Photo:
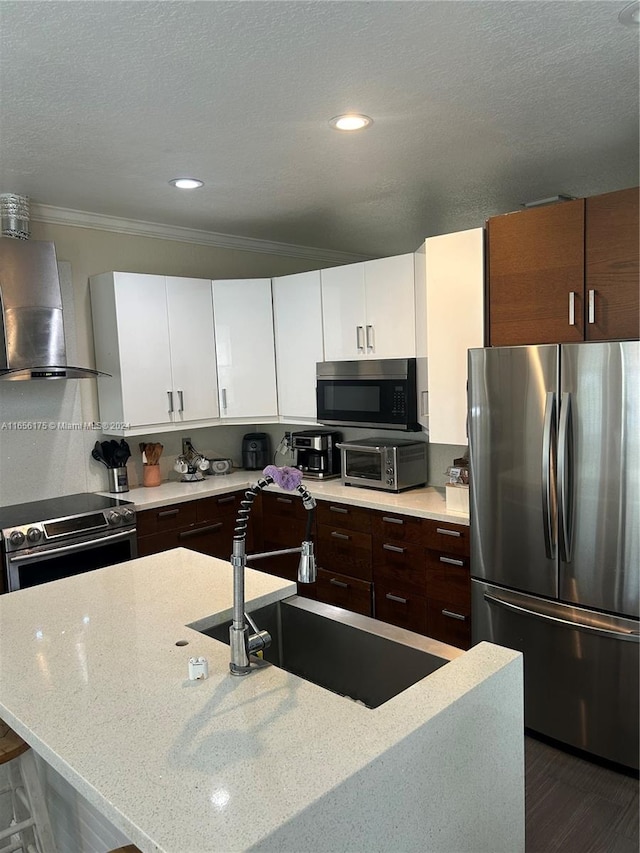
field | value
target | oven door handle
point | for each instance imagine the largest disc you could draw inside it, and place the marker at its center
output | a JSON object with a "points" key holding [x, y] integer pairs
{"points": [[69, 549], [344, 446]]}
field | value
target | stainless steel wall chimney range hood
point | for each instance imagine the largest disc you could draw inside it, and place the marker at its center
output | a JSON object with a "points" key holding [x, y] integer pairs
{"points": [[32, 343]]}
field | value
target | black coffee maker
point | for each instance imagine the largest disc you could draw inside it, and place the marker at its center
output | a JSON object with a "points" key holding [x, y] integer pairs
{"points": [[256, 451], [316, 453]]}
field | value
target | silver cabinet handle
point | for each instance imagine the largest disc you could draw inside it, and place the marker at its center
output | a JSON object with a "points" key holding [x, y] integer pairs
{"points": [[227, 500], [284, 500], [591, 315], [392, 520], [572, 308], [168, 513], [180, 401], [548, 474], [453, 615], [339, 535], [396, 598], [360, 338], [370, 340], [446, 532], [338, 509], [223, 393], [170, 396], [394, 548], [197, 531], [451, 561], [339, 583]]}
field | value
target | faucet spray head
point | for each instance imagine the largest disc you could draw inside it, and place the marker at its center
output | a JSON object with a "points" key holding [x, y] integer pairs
{"points": [[307, 566]]}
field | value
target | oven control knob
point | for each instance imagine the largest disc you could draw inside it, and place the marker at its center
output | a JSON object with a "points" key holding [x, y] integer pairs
{"points": [[16, 537], [113, 517], [389, 481], [127, 514], [33, 534], [389, 470]]}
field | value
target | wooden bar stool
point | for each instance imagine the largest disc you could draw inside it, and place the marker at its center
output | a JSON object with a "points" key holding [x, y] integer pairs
{"points": [[30, 829]]}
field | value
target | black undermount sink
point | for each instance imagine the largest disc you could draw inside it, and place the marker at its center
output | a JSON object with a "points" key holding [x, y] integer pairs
{"points": [[351, 655]]}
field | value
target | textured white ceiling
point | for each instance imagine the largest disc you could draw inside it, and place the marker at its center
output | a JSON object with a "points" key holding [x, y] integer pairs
{"points": [[477, 106]]}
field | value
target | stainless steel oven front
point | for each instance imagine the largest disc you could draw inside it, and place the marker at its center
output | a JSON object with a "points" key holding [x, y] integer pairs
{"points": [[39, 550]]}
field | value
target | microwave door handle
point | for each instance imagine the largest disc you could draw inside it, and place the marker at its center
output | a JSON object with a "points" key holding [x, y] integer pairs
{"points": [[359, 447]]}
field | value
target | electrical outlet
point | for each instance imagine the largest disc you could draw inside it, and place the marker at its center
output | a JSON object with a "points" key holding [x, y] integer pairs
{"points": [[186, 442]]}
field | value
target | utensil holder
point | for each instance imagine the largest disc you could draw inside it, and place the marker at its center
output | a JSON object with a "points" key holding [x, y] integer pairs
{"points": [[151, 475], [118, 480]]}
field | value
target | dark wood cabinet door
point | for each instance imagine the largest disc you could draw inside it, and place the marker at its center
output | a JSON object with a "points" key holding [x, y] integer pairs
{"points": [[536, 275], [341, 590], [165, 518], [611, 266], [345, 551], [448, 624], [407, 610]]}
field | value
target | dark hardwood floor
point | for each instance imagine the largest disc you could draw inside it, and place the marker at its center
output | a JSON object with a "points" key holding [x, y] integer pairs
{"points": [[576, 806]]}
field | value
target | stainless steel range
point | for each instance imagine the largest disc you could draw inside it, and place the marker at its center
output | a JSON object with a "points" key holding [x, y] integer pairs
{"points": [[52, 539]]}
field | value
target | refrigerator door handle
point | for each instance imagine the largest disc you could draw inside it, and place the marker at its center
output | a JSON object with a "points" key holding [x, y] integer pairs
{"points": [[616, 633], [565, 478], [548, 474]]}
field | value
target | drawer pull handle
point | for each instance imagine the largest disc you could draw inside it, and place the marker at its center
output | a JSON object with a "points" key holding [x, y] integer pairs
{"points": [[338, 509], [284, 500], [451, 561], [339, 535], [446, 532], [453, 615], [168, 513], [394, 548], [396, 598], [199, 530], [339, 583], [229, 499], [392, 520]]}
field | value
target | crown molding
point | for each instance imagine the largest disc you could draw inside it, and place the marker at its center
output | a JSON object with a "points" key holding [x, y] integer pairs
{"points": [[83, 219]]}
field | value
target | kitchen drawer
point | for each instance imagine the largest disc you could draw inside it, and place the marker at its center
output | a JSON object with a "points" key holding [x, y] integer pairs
{"points": [[164, 518], [283, 507], [216, 506], [344, 515], [448, 623], [344, 551], [340, 590], [446, 537], [400, 564], [390, 525], [214, 538], [395, 606], [448, 579]]}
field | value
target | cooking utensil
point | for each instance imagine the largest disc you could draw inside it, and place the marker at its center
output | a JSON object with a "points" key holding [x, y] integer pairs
{"points": [[97, 455]]}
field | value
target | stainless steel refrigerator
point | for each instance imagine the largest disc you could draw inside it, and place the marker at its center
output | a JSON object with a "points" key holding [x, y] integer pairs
{"points": [[554, 439]]}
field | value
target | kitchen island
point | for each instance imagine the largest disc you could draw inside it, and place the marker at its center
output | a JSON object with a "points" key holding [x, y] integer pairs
{"points": [[92, 677]]}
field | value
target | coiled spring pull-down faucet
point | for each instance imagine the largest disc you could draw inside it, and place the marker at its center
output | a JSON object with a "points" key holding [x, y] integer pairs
{"points": [[242, 642]]}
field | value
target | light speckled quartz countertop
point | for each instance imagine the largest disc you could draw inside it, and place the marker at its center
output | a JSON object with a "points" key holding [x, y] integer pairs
{"points": [[427, 502], [92, 678]]}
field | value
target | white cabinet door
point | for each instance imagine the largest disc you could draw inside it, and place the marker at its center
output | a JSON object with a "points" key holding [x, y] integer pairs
{"points": [[343, 312], [143, 343], [193, 351], [390, 309], [297, 321], [455, 323], [244, 347]]}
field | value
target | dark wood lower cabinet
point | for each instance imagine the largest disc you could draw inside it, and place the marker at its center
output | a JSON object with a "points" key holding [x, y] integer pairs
{"points": [[407, 610], [341, 590]]}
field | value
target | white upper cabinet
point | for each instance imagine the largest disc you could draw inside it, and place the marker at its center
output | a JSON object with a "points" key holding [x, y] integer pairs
{"points": [[297, 320], [245, 350], [155, 336], [454, 277], [368, 309]]}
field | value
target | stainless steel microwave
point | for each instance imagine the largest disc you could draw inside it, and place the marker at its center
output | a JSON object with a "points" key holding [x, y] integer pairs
{"points": [[391, 466], [379, 393]]}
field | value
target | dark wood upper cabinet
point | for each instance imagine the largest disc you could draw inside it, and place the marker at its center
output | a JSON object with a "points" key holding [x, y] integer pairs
{"points": [[564, 273], [612, 270], [536, 275]]}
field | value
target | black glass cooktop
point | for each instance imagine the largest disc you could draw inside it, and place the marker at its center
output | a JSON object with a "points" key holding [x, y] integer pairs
{"points": [[52, 508]]}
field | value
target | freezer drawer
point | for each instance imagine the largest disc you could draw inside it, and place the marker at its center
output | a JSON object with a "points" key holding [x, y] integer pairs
{"points": [[580, 668]]}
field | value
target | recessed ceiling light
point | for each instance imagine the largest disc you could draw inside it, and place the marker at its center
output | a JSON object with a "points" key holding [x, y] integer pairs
{"points": [[350, 121], [186, 183], [630, 15]]}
